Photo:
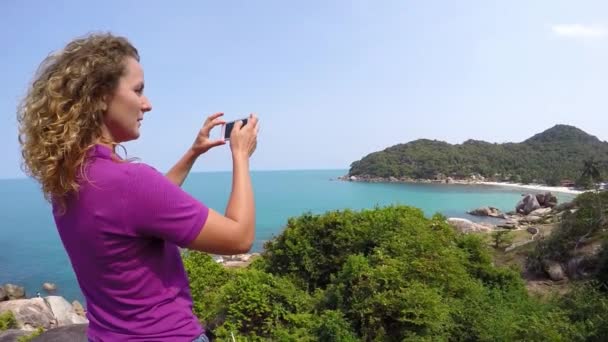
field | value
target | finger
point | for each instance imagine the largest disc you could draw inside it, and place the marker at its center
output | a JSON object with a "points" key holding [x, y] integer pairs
{"points": [[213, 117], [237, 127], [217, 121], [253, 119], [218, 142], [209, 125]]}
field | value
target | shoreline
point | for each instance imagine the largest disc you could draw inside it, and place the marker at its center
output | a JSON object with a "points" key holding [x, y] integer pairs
{"points": [[534, 187], [537, 187]]}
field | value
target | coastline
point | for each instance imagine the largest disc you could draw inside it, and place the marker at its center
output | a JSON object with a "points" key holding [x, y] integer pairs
{"points": [[536, 187], [450, 181]]}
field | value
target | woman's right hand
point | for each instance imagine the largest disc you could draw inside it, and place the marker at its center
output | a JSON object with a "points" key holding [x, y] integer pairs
{"points": [[243, 140]]}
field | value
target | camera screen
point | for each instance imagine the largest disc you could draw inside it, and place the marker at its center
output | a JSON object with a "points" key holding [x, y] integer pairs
{"points": [[229, 127]]}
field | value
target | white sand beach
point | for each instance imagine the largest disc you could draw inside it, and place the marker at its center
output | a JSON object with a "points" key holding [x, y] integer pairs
{"points": [[535, 187]]}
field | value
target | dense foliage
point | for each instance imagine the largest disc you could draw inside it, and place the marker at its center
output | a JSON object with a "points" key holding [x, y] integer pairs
{"points": [[584, 225], [388, 274], [558, 153], [7, 321]]}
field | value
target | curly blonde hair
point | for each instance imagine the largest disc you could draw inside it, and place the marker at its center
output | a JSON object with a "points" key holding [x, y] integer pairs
{"points": [[60, 118]]}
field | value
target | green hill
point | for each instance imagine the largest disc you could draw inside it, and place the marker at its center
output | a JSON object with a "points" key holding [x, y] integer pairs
{"points": [[548, 157]]}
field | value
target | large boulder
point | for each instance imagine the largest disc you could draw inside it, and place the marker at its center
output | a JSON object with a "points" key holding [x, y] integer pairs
{"points": [[541, 212], [467, 226], [486, 211], [12, 335], [63, 311], [527, 205], [49, 287], [532, 219], [68, 333], [30, 313], [546, 200], [3, 295], [78, 308], [14, 291], [554, 270]]}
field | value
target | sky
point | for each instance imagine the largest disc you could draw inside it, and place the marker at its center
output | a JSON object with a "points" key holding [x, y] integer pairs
{"points": [[331, 81]]}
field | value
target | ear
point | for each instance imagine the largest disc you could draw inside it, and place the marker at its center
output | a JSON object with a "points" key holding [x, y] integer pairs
{"points": [[104, 103]]}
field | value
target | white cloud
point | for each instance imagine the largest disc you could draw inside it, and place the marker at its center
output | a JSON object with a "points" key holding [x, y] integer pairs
{"points": [[580, 31]]}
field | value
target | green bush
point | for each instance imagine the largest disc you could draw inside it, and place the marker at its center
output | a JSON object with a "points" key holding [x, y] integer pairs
{"points": [[387, 274], [587, 307], [563, 243], [7, 321]]}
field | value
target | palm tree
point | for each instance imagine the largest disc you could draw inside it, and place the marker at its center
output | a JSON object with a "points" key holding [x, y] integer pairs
{"points": [[590, 170]]}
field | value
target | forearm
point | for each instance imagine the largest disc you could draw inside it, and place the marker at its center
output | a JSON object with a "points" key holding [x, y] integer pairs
{"points": [[180, 170], [241, 205]]}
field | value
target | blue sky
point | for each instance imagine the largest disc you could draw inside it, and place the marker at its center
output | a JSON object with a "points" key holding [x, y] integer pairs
{"points": [[331, 80]]}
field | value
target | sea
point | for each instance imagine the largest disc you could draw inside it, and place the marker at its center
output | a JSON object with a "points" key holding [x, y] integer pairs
{"points": [[31, 252]]}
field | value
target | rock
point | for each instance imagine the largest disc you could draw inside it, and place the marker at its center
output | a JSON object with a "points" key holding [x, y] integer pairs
{"points": [[30, 313], [393, 179], [12, 335], [3, 295], [554, 270], [449, 180], [507, 225], [14, 291], [353, 178], [540, 198], [466, 226], [532, 230], [486, 211], [573, 267], [68, 333], [550, 200], [78, 308], [532, 219], [527, 205], [63, 311], [564, 206], [541, 212], [49, 287]]}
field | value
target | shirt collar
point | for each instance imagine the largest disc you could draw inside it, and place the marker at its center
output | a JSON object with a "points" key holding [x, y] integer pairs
{"points": [[100, 151]]}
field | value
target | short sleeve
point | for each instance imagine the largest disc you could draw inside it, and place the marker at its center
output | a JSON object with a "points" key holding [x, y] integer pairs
{"points": [[158, 208]]}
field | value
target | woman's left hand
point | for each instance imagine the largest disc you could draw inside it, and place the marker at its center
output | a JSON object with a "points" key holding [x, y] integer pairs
{"points": [[203, 143]]}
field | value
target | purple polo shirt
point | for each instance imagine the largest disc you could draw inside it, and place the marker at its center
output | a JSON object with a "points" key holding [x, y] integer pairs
{"points": [[122, 233]]}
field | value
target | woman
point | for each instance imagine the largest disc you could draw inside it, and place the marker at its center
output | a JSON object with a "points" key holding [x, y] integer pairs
{"points": [[121, 222]]}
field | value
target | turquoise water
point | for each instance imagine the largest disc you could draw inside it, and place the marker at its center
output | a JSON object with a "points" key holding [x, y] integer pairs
{"points": [[31, 252]]}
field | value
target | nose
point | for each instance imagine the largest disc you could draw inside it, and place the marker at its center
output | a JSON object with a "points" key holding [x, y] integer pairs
{"points": [[146, 106]]}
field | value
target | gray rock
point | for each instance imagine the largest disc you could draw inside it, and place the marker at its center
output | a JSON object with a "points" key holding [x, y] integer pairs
{"points": [[564, 206], [49, 287], [527, 205], [30, 313], [78, 308], [466, 226], [12, 335], [486, 211], [532, 230], [14, 291], [554, 270], [68, 333], [507, 225], [541, 212], [353, 178], [63, 311], [3, 295], [532, 219]]}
